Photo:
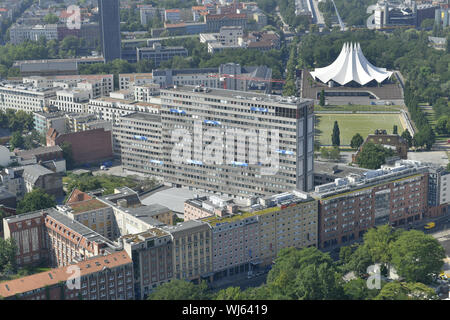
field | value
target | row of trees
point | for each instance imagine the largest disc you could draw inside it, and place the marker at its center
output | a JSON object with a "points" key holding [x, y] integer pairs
{"points": [[309, 274]]}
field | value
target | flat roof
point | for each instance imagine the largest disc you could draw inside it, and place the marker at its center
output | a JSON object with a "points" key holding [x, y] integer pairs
{"points": [[144, 116], [87, 205], [173, 198], [250, 96]]}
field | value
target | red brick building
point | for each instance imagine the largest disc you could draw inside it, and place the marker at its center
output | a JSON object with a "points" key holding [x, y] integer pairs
{"points": [[349, 206], [88, 146], [101, 278]]}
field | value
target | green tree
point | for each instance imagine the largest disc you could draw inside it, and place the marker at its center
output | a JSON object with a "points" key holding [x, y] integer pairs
{"points": [[357, 289], [442, 124], [416, 256], [51, 18], [322, 98], [406, 291], [8, 251], [378, 242], [357, 141], [16, 141], [407, 136], [180, 290], [359, 261], [230, 293], [66, 148], [306, 274], [395, 129], [372, 156], [35, 200], [335, 137]]}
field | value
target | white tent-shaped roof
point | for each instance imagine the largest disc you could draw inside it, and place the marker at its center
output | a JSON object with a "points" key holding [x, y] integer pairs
{"points": [[351, 65]]}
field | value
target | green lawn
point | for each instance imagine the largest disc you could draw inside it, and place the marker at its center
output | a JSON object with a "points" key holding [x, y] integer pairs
{"points": [[350, 124]]}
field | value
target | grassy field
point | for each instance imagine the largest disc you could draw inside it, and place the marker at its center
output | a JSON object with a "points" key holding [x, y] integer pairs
{"points": [[350, 124]]}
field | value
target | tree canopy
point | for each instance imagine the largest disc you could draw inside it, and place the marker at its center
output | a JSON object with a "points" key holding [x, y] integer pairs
{"points": [[35, 200], [180, 290], [372, 156]]}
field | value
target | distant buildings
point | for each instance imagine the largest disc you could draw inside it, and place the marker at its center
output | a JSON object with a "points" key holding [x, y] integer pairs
{"points": [[216, 21], [109, 16], [54, 67], [158, 54]]}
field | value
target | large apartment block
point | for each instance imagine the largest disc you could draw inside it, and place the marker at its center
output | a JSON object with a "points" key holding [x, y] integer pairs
{"points": [[268, 140], [252, 237], [25, 97], [349, 206], [137, 139]]}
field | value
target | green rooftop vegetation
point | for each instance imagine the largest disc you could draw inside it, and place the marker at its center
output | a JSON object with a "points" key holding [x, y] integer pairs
{"points": [[87, 206], [244, 214]]}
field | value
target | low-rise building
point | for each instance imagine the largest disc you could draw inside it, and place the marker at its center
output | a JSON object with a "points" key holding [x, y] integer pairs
{"points": [[392, 141]]}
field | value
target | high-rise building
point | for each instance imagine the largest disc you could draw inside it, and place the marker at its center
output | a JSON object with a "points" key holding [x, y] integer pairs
{"points": [[110, 29], [247, 127]]}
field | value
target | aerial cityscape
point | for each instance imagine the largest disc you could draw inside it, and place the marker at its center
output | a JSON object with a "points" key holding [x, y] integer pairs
{"points": [[224, 150]]}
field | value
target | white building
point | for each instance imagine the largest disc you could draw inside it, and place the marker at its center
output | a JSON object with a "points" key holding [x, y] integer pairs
{"points": [[351, 66], [21, 33]]}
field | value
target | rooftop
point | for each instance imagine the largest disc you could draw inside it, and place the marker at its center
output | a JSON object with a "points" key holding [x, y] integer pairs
{"points": [[85, 206], [403, 169], [55, 276], [173, 198], [239, 95], [144, 116]]}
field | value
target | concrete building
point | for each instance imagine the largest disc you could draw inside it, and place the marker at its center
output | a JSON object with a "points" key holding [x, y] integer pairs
{"points": [[137, 139], [159, 54], [25, 97], [192, 249], [252, 239], [101, 278], [186, 107], [152, 252], [53, 67], [111, 109], [216, 21], [109, 22], [145, 92], [203, 207], [349, 206], [438, 190], [46, 120], [172, 15], [128, 81], [22, 33]]}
